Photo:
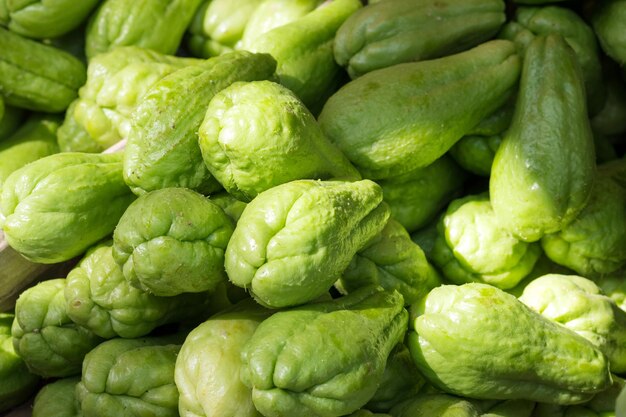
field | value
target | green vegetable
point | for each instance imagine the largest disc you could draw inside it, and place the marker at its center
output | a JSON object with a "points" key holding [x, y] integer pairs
{"points": [[435, 405], [611, 119], [325, 358], [257, 135], [11, 120], [511, 408], [231, 206], [614, 286], [57, 399], [475, 153], [294, 241], [608, 23], [172, 241]]}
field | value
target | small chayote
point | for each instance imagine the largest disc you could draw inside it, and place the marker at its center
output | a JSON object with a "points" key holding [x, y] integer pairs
{"points": [[172, 241], [614, 286], [257, 135], [57, 399], [231, 206], [475, 153], [293, 241], [476, 340], [579, 304], [435, 405], [209, 362], [325, 358], [60, 205], [608, 23], [11, 120], [50, 343], [393, 261]]}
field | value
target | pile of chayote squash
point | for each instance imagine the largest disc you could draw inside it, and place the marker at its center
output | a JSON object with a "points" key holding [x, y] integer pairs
{"points": [[309, 208]]}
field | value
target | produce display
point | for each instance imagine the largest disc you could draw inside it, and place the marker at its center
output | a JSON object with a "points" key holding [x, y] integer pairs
{"points": [[313, 208]]}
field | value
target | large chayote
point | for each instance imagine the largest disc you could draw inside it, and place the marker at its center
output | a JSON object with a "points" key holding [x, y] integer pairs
{"points": [[543, 171], [608, 22], [475, 340], [294, 240], [472, 246], [326, 358], [579, 304], [397, 119], [17, 384], [397, 31], [257, 135], [172, 241], [58, 206], [209, 362], [393, 261], [50, 343], [99, 298], [162, 149], [130, 377], [57, 399], [154, 24]]}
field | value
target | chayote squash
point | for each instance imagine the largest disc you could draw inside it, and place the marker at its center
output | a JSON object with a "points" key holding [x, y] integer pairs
{"points": [[294, 240], [435, 405], [12, 118], [58, 206], [397, 119], [325, 358], [57, 399], [475, 340], [611, 119], [172, 241], [162, 149], [614, 286], [398, 31], [257, 135], [607, 19], [231, 206], [475, 153], [543, 171]]}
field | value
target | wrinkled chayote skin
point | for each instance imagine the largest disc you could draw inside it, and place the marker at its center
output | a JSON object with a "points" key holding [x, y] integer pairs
{"points": [[130, 377], [393, 261], [154, 24], [34, 139], [435, 405], [415, 198], [579, 304], [594, 243], [294, 240], [43, 19], [116, 82], [472, 246], [172, 241], [50, 343], [257, 135], [17, 384], [398, 31], [475, 153], [543, 171], [57, 399], [209, 363], [99, 298], [477, 341], [303, 361], [387, 129], [162, 149], [608, 23], [58, 206]]}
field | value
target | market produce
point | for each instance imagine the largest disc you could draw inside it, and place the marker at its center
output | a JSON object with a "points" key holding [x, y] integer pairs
{"points": [[294, 240], [387, 130], [397, 31], [58, 206], [45, 337], [544, 169], [50, 84], [608, 22], [162, 149], [172, 241], [11, 120], [614, 286], [475, 153], [290, 375], [257, 135], [231, 206], [435, 405], [477, 341], [57, 399]]}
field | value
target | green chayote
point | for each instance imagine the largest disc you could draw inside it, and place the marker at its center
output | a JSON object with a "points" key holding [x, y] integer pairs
{"points": [[397, 119], [510, 408], [231, 206], [58, 206], [293, 241], [57, 399], [154, 24], [257, 135], [50, 343], [415, 198], [475, 153], [303, 361], [130, 377], [99, 298], [611, 119], [435, 405], [17, 384], [475, 340], [172, 241], [209, 363], [614, 286], [578, 304], [472, 246], [608, 23], [393, 261], [367, 413], [12, 118]]}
